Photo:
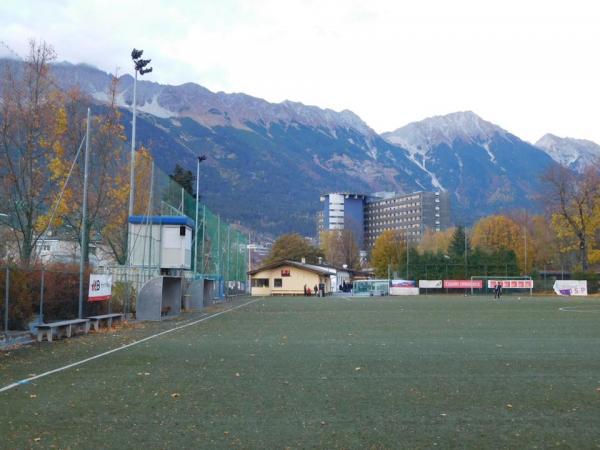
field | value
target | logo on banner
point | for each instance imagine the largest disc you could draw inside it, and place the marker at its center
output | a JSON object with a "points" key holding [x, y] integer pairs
{"points": [[570, 287], [402, 284], [100, 288], [463, 284], [430, 284]]}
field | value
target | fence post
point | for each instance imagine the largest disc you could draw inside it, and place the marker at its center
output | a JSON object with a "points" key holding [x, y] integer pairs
{"points": [[7, 288], [41, 320], [228, 276]]}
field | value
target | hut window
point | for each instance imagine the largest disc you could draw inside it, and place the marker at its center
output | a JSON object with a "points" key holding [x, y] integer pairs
{"points": [[260, 282]]}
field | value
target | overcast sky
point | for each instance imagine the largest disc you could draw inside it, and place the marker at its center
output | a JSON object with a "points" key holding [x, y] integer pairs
{"points": [[531, 67]]}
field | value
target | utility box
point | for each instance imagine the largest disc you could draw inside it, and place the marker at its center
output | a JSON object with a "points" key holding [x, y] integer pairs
{"points": [[161, 241]]}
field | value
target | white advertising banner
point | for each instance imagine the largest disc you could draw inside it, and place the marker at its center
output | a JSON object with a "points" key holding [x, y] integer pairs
{"points": [[404, 290], [571, 287], [100, 287], [430, 284]]}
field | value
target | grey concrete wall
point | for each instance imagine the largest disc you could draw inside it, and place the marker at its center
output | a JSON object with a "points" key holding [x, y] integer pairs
{"points": [[195, 295], [157, 294]]}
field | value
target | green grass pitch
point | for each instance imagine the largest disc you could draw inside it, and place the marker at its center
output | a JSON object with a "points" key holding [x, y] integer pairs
{"points": [[379, 372]]}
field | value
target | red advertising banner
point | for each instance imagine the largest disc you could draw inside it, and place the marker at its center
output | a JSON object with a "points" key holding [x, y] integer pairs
{"points": [[100, 287], [511, 284], [463, 284]]}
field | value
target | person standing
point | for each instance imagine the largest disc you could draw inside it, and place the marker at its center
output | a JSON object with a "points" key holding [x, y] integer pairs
{"points": [[316, 290], [497, 290]]}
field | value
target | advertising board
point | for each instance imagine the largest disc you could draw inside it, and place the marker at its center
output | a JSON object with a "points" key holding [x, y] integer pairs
{"points": [[100, 287]]}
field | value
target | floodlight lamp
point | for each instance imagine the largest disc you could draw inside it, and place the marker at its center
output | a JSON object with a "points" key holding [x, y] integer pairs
{"points": [[136, 54]]}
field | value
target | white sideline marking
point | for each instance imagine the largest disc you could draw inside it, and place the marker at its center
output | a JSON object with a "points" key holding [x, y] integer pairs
{"points": [[123, 347], [574, 309]]}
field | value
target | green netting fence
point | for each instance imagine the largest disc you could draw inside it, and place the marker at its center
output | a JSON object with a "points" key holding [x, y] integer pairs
{"points": [[221, 247]]}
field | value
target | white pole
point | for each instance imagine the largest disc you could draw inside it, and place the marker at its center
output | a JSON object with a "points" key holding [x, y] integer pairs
{"points": [[407, 261], [196, 225], [83, 242], [182, 202], [149, 223], [466, 260], [131, 195], [218, 245], [203, 267], [132, 162], [525, 235], [6, 295]]}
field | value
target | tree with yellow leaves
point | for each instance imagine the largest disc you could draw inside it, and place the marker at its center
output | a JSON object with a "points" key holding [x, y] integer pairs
{"points": [[498, 233], [574, 201], [31, 122], [115, 229], [389, 252], [436, 241], [340, 248], [108, 182]]}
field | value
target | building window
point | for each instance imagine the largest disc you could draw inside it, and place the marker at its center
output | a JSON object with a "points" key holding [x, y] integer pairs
{"points": [[260, 282], [277, 282]]}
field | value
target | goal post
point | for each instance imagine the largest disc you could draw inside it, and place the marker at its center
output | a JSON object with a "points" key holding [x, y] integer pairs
{"points": [[510, 285]]}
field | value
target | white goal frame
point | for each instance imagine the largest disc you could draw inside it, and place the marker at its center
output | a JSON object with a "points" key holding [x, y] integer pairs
{"points": [[485, 278]]}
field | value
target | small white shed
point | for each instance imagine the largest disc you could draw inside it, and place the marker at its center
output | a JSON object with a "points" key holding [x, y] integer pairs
{"points": [[164, 241]]}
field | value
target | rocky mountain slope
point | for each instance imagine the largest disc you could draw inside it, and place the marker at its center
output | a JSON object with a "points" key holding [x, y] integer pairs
{"points": [[573, 153], [484, 166], [268, 163]]}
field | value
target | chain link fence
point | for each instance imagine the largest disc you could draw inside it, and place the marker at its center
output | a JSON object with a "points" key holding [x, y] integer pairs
{"points": [[35, 295], [219, 249]]}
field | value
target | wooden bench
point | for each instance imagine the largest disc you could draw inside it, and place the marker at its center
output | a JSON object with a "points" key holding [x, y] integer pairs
{"points": [[95, 320], [65, 326]]}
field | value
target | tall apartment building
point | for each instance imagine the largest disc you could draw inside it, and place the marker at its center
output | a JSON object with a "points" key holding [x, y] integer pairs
{"points": [[412, 214], [369, 216], [343, 211]]}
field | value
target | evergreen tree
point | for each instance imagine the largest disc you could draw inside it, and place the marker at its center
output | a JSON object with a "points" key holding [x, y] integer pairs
{"points": [[457, 244], [185, 178]]}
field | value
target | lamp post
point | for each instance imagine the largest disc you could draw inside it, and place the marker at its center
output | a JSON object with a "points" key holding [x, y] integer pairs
{"points": [[83, 243], [407, 257], [200, 159], [139, 66], [466, 253]]}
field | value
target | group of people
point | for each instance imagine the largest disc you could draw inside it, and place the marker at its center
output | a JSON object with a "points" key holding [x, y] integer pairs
{"points": [[308, 292], [345, 287]]}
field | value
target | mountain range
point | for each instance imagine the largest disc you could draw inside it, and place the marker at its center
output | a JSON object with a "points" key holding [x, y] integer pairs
{"points": [[268, 162]]}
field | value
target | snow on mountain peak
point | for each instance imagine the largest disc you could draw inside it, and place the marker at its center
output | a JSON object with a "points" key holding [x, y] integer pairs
{"points": [[419, 137], [570, 152]]}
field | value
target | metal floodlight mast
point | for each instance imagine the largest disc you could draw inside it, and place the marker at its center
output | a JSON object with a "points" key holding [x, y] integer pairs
{"points": [[200, 159], [139, 66]]}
